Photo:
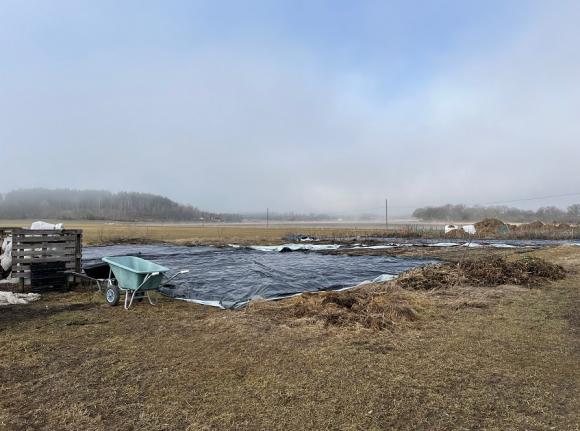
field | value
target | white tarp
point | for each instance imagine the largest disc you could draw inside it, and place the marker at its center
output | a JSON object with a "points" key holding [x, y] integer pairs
{"points": [[444, 244], [375, 247], [450, 228], [42, 225], [295, 247], [11, 298], [469, 228], [6, 254]]}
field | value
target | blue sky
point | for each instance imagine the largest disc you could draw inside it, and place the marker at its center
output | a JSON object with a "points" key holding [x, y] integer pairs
{"points": [[295, 105]]}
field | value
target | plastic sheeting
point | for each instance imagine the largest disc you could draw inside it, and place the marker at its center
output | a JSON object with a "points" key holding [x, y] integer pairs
{"points": [[451, 242], [11, 298], [42, 225], [6, 254], [450, 228], [230, 277], [469, 228], [295, 247]]}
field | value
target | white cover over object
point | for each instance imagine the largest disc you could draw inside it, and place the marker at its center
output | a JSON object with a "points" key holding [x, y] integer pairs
{"points": [[469, 228], [11, 298], [450, 227], [42, 225], [6, 254]]}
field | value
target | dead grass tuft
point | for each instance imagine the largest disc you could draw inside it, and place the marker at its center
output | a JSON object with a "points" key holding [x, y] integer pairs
{"points": [[429, 277], [377, 307]]}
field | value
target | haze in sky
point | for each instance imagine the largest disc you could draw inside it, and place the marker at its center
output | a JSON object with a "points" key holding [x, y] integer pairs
{"points": [[293, 105]]}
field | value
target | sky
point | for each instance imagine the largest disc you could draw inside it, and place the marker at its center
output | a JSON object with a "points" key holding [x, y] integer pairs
{"points": [[304, 106]]}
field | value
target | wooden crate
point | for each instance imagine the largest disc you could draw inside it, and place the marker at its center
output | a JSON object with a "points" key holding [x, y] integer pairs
{"points": [[43, 247]]}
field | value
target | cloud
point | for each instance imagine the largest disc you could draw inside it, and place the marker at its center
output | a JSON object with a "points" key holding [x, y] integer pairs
{"points": [[238, 125]]}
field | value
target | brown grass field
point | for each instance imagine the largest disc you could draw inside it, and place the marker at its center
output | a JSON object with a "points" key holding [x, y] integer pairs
{"points": [[99, 232], [455, 358]]}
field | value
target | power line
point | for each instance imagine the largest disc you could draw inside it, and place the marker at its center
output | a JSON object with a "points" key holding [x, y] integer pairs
{"points": [[383, 208], [534, 198]]}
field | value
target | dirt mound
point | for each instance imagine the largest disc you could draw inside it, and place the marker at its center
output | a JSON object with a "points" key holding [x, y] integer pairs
{"points": [[490, 226], [487, 271]]}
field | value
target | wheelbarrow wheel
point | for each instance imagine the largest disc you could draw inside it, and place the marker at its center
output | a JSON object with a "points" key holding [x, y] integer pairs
{"points": [[112, 295]]}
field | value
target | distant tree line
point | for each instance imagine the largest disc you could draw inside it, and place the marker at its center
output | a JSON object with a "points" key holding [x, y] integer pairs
{"points": [[65, 204], [549, 214]]}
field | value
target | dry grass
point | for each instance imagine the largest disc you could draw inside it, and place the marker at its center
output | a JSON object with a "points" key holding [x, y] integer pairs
{"points": [[99, 232], [372, 307], [384, 305], [490, 270], [493, 358]]}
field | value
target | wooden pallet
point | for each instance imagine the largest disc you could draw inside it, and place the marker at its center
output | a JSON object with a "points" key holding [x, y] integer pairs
{"points": [[52, 248]]}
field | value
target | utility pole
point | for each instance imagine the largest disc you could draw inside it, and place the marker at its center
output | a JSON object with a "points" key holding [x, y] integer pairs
{"points": [[267, 217], [386, 214]]}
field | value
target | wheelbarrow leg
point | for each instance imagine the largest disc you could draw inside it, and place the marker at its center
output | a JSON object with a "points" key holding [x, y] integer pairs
{"points": [[150, 299], [127, 299]]}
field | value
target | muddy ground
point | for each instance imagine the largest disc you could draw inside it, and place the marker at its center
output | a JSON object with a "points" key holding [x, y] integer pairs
{"points": [[497, 358]]}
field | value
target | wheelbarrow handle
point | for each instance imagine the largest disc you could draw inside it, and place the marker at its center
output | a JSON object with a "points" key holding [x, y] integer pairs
{"points": [[183, 271]]}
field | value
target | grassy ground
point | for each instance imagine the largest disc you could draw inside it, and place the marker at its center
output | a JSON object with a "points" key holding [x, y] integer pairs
{"points": [[476, 358]]}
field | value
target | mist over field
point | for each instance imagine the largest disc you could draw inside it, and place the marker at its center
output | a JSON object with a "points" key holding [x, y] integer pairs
{"points": [[296, 106]]}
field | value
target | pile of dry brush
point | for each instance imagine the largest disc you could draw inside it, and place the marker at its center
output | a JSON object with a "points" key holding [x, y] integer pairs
{"points": [[373, 306], [381, 306], [486, 271], [493, 227]]}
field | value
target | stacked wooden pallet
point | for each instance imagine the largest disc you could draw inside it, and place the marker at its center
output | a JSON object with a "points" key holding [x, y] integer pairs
{"points": [[42, 259]]}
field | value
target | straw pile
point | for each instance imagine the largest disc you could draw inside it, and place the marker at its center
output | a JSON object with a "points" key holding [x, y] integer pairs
{"points": [[536, 225], [491, 226], [385, 305], [374, 307], [486, 271]]}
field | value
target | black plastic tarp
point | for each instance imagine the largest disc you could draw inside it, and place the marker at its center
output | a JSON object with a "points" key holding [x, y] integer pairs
{"points": [[229, 277]]}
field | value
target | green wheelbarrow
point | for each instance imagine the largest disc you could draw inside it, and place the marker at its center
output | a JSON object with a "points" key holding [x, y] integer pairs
{"points": [[134, 276]]}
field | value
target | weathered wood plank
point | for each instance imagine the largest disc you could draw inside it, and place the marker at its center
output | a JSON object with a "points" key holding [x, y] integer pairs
{"points": [[41, 239], [20, 231], [38, 256], [41, 258], [22, 271], [47, 258], [17, 259], [42, 250], [47, 245]]}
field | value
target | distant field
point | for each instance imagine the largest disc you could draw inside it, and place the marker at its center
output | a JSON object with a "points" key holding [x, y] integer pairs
{"points": [[104, 232], [98, 232]]}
